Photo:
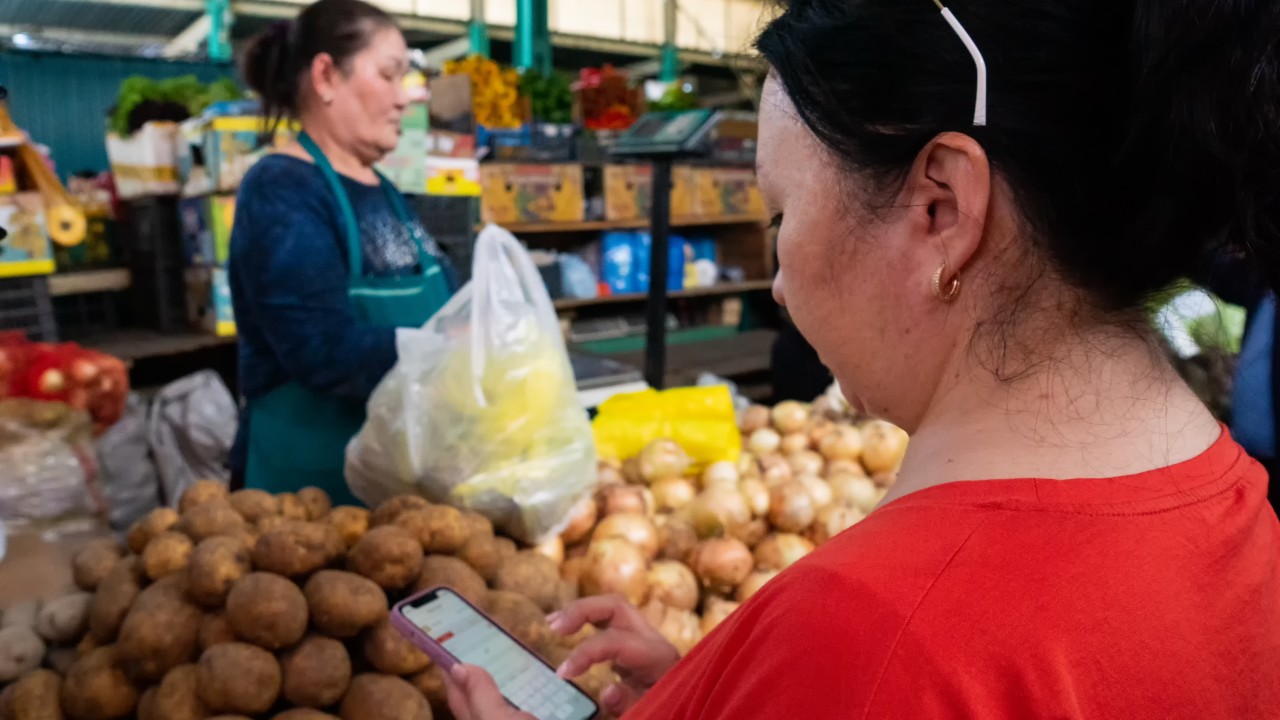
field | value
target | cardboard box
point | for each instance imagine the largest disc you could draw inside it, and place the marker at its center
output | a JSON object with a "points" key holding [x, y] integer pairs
{"points": [[628, 192], [531, 193], [726, 192], [406, 166], [26, 251], [456, 177], [146, 162], [206, 229], [209, 306], [233, 144]]}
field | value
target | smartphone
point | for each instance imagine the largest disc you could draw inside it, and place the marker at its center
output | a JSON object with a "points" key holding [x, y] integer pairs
{"points": [[451, 630]]}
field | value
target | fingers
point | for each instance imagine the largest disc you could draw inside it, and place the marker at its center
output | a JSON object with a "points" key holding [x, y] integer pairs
{"points": [[640, 656], [602, 610], [479, 695], [457, 699], [617, 699]]}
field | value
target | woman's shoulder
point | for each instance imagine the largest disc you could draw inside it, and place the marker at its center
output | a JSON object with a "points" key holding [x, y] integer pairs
{"points": [[277, 174]]}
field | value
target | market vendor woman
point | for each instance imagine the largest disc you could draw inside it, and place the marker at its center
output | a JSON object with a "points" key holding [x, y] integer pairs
{"points": [[326, 259]]}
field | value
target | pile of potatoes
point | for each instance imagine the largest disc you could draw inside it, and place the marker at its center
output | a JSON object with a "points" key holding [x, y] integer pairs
{"points": [[250, 605], [688, 547]]}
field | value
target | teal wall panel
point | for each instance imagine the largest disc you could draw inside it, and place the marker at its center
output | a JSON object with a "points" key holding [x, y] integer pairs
{"points": [[62, 100]]}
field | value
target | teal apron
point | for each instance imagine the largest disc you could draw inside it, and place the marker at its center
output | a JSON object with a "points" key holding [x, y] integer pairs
{"points": [[298, 437]]}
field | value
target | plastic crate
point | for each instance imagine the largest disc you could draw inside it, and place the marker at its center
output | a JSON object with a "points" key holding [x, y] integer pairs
{"points": [[542, 142], [25, 305], [154, 253], [82, 317]]}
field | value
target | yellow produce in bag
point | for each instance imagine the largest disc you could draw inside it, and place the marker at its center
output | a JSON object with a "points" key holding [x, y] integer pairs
{"points": [[700, 419], [481, 410]]}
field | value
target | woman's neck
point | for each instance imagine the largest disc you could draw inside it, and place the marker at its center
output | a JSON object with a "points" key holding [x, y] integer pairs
{"points": [[343, 159], [1102, 403]]}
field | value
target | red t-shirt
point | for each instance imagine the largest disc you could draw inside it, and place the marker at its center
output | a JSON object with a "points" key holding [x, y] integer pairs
{"points": [[1150, 596]]}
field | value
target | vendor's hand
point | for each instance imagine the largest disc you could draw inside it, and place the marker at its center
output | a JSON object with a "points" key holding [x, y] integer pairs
{"points": [[473, 695], [639, 654]]}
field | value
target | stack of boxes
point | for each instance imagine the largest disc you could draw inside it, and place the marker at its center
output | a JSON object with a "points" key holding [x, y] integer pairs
{"points": [[206, 236]]}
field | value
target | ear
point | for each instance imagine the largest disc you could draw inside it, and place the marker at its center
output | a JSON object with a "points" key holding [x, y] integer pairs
{"points": [[324, 75], [951, 180]]}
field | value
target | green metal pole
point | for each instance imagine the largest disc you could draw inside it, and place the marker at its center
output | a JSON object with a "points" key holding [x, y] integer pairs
{"points": [[478, 30], [533, 36], [670, 70], [220, 21]]}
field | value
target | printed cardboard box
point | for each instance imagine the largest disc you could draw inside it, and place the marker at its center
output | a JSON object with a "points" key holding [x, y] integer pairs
{"points": [[25, 250], [514, 193], [727, 192], [146, 162], [628, 192]]}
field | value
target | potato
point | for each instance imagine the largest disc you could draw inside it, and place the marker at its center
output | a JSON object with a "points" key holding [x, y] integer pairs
{"points": [[35, 697], [21, 651], [229, 717], [298, 549], [96, 689], [388, 555], [476, 524], [167, 553], [93, 562], [291, 507], [214, 517], [23, 614], [64, 620], [6, 703], [114, 596], [389, 510], [238, 678], [453, 573], [440, 528], [532, 575], [147, 704], [304, 714], [253, 505], [485, 553], [202, 491], [60, 659], [519, 616], [351, 522], [86, 645], [215, 629], [274, 522], [160, 632], [267, 610], [430, 683], [155, 522], [177, 696], [215, 565], [344, 603], [316, 672], [390, 652], [316, 501], [383, 697]]}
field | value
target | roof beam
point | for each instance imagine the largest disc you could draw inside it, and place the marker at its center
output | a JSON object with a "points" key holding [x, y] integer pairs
{"points": [[188, 41], [179, 5], [82, 37]]}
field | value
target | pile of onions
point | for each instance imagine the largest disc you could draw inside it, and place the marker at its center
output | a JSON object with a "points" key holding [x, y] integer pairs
{"points": [[722, 564], [750, 532], [721, 473], [819, 490], [806, 462], [843, 443], [756, 493], [753, 583], [676, 538], [780, 551], [615, 566], [764, 441], [552, 549], [581, 521], [884, 445], [716, 510], [776, 469], [662, 459], [608, 475], [754, 418], [673, 493], [790, 417], [859, 492], [845, 467], [790, 507], [716, 612], [635, 528], [615, 499], [679, 627], [794, 443], [673, 584], [833, 520]]}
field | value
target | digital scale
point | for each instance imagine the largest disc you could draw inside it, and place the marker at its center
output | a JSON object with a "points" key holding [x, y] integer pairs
{"points": [[661, 138]]}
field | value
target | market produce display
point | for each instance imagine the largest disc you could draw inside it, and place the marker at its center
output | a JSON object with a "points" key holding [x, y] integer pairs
{"points": [[495, 91], [83, 379], [608, 100]]}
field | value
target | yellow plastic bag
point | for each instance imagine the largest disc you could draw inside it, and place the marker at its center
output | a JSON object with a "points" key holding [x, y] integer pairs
{"points": [[700, 419]]}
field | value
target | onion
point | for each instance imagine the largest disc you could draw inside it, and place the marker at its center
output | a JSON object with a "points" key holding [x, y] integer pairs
{"points": [[753, 583], [832, 521], [572, 569], [581, 519], [720, 473], [885, 479], [756, 493], [51, 382], [844, 443], [858, 492], [884, 445], [635, 528], [794, 443], [673, 584], [616, 499], [750, 532], [662, 459], [673, 493], [790, 506], [722, 564], [819, 490], [716, 612], [679, 627], [615, 566], [789, 417], [748, 466], [631, 471], [552, 549], [83, 371], [764, 441], [608, 475], [845, 467], [819, 428], [754, 418], [781, 551], [806, 462], [716, 510], [776, 470], [676, 538]]}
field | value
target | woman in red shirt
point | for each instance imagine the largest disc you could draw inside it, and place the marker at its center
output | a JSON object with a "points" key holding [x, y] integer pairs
{"points": [[1072, 535]]}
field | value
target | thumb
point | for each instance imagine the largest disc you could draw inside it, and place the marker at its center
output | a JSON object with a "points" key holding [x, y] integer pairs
{"points": [[483, 697], [618, 698]]}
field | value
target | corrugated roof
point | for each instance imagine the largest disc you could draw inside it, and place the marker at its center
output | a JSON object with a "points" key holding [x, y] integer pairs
{"points": [[87, 15]]}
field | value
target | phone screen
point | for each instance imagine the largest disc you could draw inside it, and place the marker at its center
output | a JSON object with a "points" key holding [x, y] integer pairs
{"points": [[473, 639]]}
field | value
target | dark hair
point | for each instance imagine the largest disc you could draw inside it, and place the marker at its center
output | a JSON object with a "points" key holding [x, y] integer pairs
{"points": [[275, 60], [1137, 135]]}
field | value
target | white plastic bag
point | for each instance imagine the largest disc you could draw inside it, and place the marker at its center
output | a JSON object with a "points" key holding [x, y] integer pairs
{"points": [[191, 428], [481, 409]]}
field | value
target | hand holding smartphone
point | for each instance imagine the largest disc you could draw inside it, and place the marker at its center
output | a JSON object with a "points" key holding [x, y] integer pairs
{"points": [[451, 630]]}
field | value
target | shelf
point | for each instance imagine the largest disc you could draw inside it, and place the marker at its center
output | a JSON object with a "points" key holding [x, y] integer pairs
{"points": [[738, 355], [133, 345], [89, 281], [722, 289], [602, 225]]}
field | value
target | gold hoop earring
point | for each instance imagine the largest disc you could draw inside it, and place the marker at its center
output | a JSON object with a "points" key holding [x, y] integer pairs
{"points": [[953, 287]]}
